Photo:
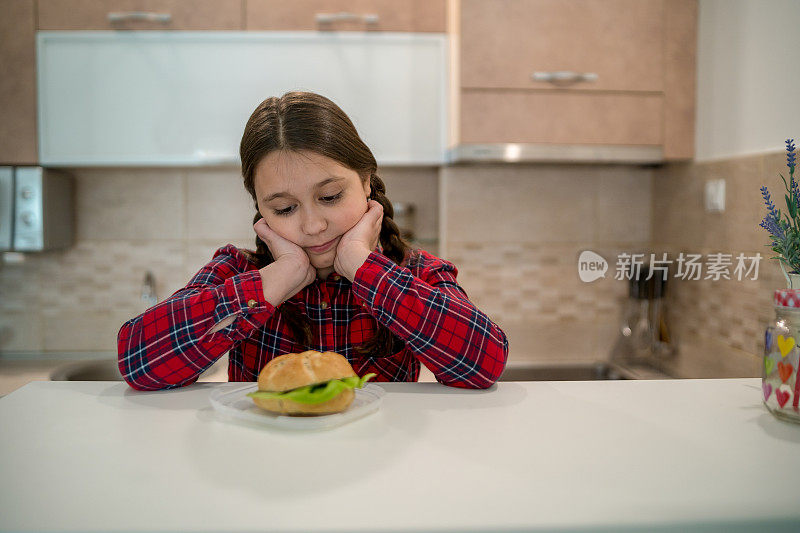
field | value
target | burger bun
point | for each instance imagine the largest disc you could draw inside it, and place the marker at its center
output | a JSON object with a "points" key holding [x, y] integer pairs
{"points": [[294, 370]]}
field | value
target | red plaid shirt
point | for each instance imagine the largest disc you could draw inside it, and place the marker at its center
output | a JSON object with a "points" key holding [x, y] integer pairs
{"points": [[169, 346]]}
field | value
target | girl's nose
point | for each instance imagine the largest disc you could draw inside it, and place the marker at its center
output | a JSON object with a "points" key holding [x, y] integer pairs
{"points": [[313, 222]]}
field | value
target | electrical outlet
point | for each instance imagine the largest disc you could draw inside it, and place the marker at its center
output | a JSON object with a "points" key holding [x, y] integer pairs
{"points": [[715, 196]]}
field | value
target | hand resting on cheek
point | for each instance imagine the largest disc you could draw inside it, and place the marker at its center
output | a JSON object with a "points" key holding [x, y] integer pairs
{"points": [[292, 263], [355, 246]]}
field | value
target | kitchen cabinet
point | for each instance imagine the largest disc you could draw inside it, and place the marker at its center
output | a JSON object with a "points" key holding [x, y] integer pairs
{"points": [[325, 15], [18, 83], [183, 98], [140, 15], [347, 15], [504, 41], [616, 73], [22, 18]]}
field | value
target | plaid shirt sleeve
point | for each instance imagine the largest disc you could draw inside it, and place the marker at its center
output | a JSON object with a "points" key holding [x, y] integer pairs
{"points": [[169, 346], [433, 315]]}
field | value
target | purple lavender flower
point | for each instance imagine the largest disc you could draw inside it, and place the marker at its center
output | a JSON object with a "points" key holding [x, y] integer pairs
{"points": [[772, 227], [790, 155], [795, 190], [770, 206]]}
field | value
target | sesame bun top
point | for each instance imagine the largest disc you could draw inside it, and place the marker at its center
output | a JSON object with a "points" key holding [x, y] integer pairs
{"points": [[293, 370]]}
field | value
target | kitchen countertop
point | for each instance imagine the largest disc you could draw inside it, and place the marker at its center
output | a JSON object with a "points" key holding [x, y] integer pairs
{"points": [[635, 455]]}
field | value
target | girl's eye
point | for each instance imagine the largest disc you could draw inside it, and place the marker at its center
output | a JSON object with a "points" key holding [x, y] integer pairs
{"points": [[326, 199], [331, 198]]}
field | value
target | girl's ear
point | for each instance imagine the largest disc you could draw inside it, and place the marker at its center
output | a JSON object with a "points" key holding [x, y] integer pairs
{"points": [[367, 188]]}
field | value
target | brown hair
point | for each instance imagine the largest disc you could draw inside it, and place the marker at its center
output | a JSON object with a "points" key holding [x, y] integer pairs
{"points": [[307, 121]]}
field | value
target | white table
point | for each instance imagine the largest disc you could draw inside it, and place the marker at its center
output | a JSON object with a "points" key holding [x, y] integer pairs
{"points": [[649, 455]]}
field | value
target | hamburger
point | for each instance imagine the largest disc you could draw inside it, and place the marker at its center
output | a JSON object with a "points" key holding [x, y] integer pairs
{"points": [[307, 384]]}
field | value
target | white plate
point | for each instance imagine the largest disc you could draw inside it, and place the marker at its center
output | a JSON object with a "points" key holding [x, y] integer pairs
{"points": [[234, 404]]}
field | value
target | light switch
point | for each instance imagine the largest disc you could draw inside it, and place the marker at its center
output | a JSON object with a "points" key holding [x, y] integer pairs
{"points": [[715, 196]]}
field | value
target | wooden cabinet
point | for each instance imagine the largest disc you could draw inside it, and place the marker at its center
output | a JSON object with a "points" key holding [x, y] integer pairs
{"points": [[18, 83], [140, 15], [548, 117], [346, 15], [631, 64], [503, 42]]}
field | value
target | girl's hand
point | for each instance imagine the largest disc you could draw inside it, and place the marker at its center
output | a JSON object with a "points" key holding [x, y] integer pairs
{"points": [[289, 257], [355, 246]]}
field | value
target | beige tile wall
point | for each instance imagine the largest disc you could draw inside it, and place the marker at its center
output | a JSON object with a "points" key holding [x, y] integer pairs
{"points": [[731, 311], [129, 221], [516, 231]]}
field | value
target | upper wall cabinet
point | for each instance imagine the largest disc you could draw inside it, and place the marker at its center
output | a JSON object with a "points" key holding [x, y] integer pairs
{"points": [[574, 76], [17, 83], [140, 15], [183, 98], [511, 44], [347, 15]]}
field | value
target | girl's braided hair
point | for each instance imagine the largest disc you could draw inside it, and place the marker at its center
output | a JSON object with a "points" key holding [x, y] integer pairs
{"points": [[307, 121]]}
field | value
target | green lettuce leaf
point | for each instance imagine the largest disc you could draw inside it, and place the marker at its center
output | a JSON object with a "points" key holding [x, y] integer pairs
{"points": [[321, 392]]}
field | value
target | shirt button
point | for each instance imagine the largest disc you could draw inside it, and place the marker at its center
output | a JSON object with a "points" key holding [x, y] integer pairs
{"points": [[251, 303], [324, 305], [336, 277]]}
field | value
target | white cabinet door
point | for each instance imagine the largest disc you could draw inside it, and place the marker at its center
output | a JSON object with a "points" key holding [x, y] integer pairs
{"points": [[183, 98]]}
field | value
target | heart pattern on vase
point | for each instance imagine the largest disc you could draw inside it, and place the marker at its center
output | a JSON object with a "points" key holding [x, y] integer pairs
{"points": [[769, 365], [785, 370], [785, 345], [782, 396], [767, 390]]}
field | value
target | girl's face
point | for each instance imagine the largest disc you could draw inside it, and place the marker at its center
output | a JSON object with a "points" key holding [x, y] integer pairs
{"points": [[310, 200]]}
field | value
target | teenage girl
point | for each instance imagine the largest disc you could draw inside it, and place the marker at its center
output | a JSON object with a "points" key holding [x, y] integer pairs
{"points": [[329, 273]]}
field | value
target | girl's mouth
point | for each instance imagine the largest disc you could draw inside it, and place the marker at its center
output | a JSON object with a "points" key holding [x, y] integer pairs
{"points": [[322, 247]]}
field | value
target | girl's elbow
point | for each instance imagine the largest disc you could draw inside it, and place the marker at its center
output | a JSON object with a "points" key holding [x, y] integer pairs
{"points": [[127, 359], [144, 382], [483, 378], [476, 382], [488, 367], [128, 376], [137, 386], [495, 358]]}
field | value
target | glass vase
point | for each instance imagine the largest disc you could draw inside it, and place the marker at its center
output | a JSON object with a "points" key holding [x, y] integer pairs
{"points": [[780, 384]]}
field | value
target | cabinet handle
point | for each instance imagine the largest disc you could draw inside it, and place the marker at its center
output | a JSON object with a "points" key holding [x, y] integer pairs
{"points": [[164, 18], [328, 18], [564, 77]]}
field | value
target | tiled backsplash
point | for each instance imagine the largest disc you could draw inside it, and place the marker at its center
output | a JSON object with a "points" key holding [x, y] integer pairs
{"points": [[519, 282], [731, 311], [515, 233]]}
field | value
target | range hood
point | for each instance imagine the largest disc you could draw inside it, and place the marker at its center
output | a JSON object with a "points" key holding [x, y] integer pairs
{"points": [[555, 153]]}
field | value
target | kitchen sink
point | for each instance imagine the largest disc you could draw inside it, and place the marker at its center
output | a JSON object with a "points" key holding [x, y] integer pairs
{"points": [[100, 370], [560, 372], [108, 370]]}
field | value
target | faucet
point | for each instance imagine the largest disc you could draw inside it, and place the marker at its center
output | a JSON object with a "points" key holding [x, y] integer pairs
{"points": [[149, 289]]}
